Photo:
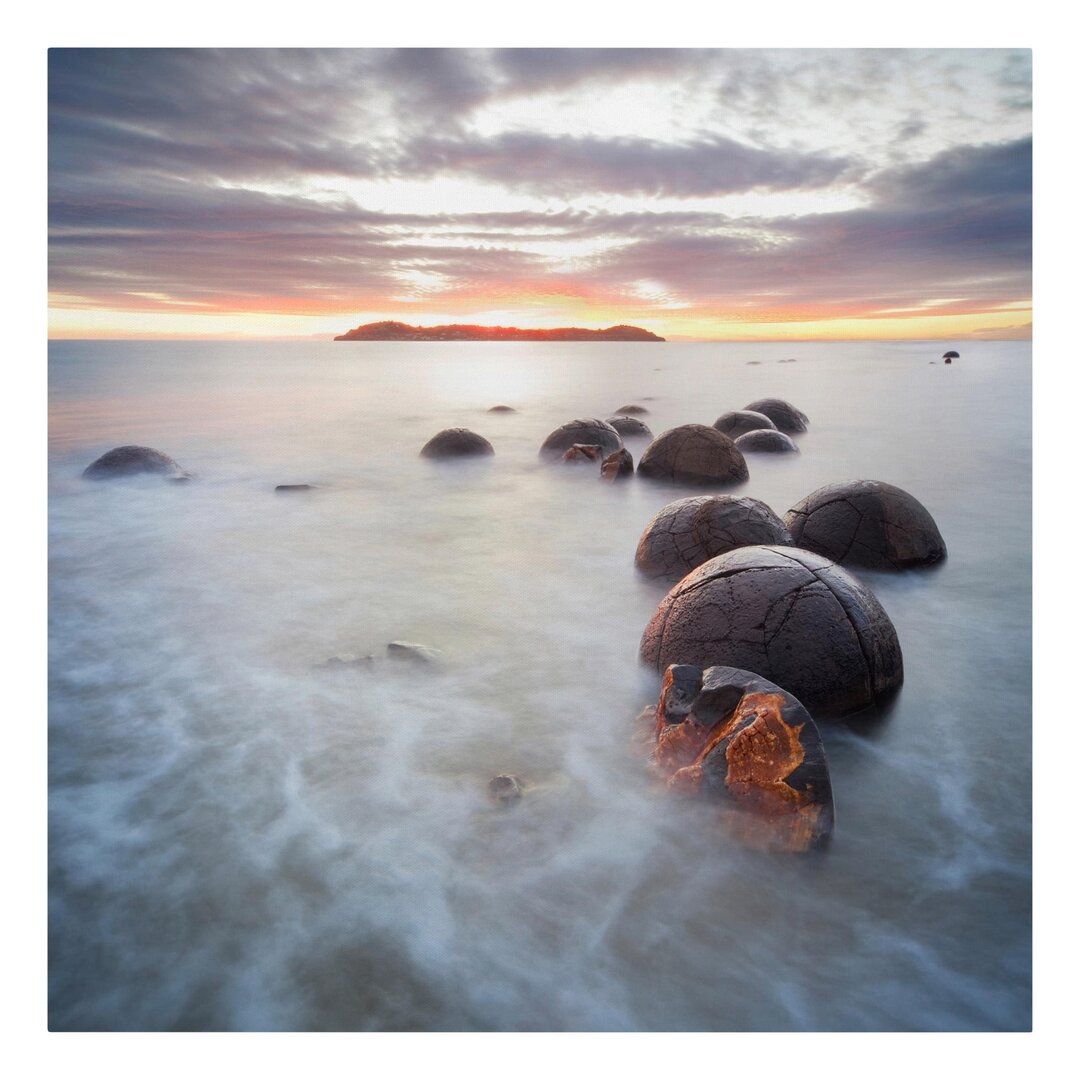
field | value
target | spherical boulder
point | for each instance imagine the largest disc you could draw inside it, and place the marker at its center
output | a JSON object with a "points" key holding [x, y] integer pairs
{"points": [[132, 461], [734, 424], [632, 410], [782, 413], [502, 409], [455, 443], [687, 532], [866, 523], [694, 454], [766, 442], [629, 427], [732, 736], [588, 431], [952, 354], [790, 616]]}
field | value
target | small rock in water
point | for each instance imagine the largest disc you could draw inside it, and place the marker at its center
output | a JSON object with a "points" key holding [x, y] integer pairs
{"points": [[505, 790], [617, 466], [349, 660], [417, 654], [632, 410], [455, 443], [295, 487], [502, 408], [580, 452], [132, 461]]}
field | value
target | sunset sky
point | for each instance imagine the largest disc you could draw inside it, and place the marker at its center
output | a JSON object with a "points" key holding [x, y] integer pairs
{"points": [[739, 194]]}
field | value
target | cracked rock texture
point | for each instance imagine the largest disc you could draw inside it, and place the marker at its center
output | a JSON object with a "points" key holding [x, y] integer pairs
{"points": [[131, 461], [741, 740], [694, 454], [617, 466], [766, 442], [734, 424], [867, 523], [782, 413], [456, 442], [629, 427], [588, 431], [688, 532], [790, 616]]}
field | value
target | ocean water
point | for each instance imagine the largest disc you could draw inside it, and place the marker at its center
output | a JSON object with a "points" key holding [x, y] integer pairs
{"points": [[243, 840]]}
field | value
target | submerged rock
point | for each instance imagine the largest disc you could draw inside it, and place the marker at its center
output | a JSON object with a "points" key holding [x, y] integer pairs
{"points": [[791, 616], [630, 427], [589, 432], [687, 532], [766, 442], [455, 443], [866, 523], [782, 413], [694, 454], [413, 653], [633, 410], [734, 737], [950, 356], [132, 461], [349, 661], [502, 408], [734, 424], [295, 487], [617, 466], [505, 790]]}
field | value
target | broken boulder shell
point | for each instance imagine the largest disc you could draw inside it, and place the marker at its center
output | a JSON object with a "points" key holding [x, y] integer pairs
{"points": [[581, 452], [790, 615], [734, 424], [132, 461], [455, 443], [732, 736], [617, 466], [694, 454], [687, 532], [766, 442], [866, 523], [782, 413], [589, 432]]}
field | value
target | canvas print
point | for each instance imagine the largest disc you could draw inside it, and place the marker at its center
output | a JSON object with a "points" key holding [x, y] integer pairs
{"points": [[539, 540]]}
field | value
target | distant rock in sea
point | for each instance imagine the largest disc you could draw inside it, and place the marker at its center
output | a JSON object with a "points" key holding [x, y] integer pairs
{"points": [[398, 331]]}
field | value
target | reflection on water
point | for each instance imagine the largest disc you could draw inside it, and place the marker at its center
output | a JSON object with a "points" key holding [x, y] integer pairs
{"points": [[242, 840]]}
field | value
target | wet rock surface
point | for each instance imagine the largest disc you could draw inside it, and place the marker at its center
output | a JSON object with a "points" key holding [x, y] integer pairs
{"points": [[455, 443], [867, 523], [734, 424], [132, 461], [790, 615], [629, 427], [729, 735], [588, 431], [688, 532], [782, 413], [694, 454], [617, 466], [766, 442]]}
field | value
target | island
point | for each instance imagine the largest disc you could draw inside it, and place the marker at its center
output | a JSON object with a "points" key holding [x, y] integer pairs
{"points": [[398, 331]]}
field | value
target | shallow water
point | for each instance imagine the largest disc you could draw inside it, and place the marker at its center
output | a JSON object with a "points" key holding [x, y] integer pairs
{"points": [[242, 840]]}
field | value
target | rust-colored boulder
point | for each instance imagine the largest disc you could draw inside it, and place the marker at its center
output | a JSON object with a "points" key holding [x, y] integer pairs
{"points": [[455, 443], [734, 424], [629, 427], [580, 452], [732, 736], [589, 432], [617, 466], [791, 616], [766, 442], [782, 413], [867, 523], [694, 454], [132, 461], [687, 532]]}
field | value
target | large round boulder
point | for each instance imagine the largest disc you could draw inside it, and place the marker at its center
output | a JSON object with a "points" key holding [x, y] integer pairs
{"points": [[782, 413], [734, 737], [455, 443], [791, 616], [588, 432], [867, 523], [766, 442], [687, 532], [694, 454], [132, 461], [630, 427], [734, 424]]}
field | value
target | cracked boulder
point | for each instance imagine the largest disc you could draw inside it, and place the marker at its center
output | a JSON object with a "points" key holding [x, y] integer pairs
{"points": [[132, 461], [617, 466], [455, 443], [787, 614], [867, 523], [782, 413], [694, 454], [688, 532], [733, 737], [589, 432], [734, 424], [630, 427], [580, 453], [766, 442]]}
